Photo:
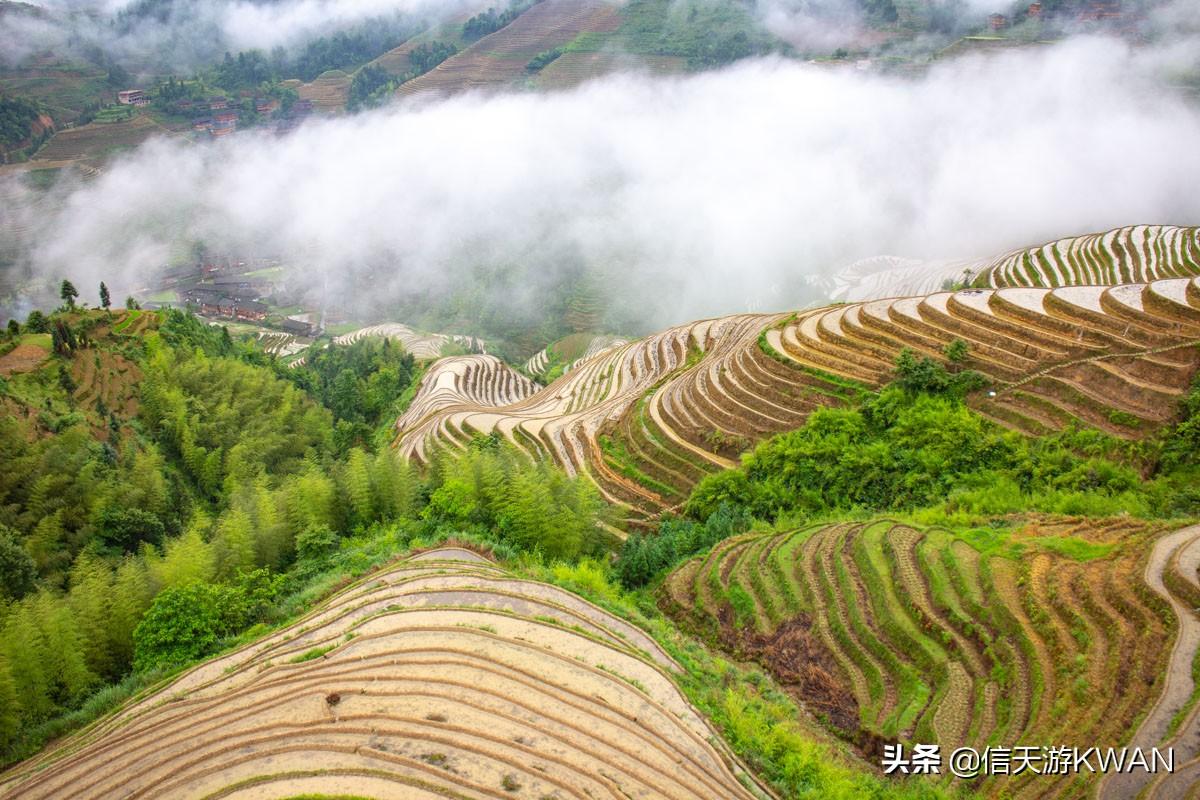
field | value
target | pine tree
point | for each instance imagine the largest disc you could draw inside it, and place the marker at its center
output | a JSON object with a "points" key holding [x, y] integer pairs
{"points": [[105, 299], [68, 293]]}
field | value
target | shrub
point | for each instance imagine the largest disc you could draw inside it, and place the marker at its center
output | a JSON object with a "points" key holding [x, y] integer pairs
{"points": [[126, 529], [184, 623], [645, 556]]}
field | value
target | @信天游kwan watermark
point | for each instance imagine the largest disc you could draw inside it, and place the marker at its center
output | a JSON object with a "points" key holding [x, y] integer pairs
{"points": [[968, 762]]}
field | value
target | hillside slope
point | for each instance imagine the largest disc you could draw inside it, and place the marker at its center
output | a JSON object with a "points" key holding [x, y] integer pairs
{"points": [[648, 419], [1058, 631], [501, 57], [442, 676]]}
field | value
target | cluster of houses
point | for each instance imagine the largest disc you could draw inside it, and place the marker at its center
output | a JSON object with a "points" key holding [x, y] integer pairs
{"points": [[215, 286], [221, 120], [1093, 11]]}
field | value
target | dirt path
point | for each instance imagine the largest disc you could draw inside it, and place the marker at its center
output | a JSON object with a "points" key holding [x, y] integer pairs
{"points": [[1177, 689]]}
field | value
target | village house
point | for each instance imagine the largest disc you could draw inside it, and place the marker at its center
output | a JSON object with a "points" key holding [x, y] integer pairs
{"points": [[265, 105], [222, 117], [1034, 11], [210, 303], [997, 21], [296, 327], [132, 97], [217, 102], [202, 123], [1098, 11], [250, 310], [240, 285]]}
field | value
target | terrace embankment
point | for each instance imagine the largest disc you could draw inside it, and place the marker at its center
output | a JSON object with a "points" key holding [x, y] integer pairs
{"points": [[441, 676]]}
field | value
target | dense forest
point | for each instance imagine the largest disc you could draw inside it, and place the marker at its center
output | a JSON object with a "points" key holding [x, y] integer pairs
{"points": [[135, 540]]}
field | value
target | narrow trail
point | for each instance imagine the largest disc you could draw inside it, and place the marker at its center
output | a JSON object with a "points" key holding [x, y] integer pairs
{"points": [[1006, 388], [1177, 688]]}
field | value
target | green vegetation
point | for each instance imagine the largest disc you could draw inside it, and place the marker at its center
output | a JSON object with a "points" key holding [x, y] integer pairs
{"points": [[644, 556], [916, 445], [360, 383], [17, 116], [706, 34], [372, 85], [224, 498], [891, 631], [492, 20], [542, 59]]}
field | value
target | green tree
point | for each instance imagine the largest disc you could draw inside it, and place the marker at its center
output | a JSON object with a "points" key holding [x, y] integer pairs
{"points": [[64, 656], [18, 572], [10, 707], [124, 529], [182, 624], [233, 544], [68, 293], [131, 597], [105, 299], [24, 649], [90, 600], [187, 558], [36, 322]]}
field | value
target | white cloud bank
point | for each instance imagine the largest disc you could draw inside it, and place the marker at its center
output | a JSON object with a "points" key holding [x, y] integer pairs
{"points": [[709, 194], [184, 34]]}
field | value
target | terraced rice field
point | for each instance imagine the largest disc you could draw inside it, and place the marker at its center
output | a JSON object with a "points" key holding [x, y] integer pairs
{"points": [[99, 139], [575, 67], [442, 676], [648, 419], [500, 58], [28, 355], [891, 633], [328, 91], [540, 361], [1125, 255], [281, 345], [1134, 254], [105, 382], [423, 346]]}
